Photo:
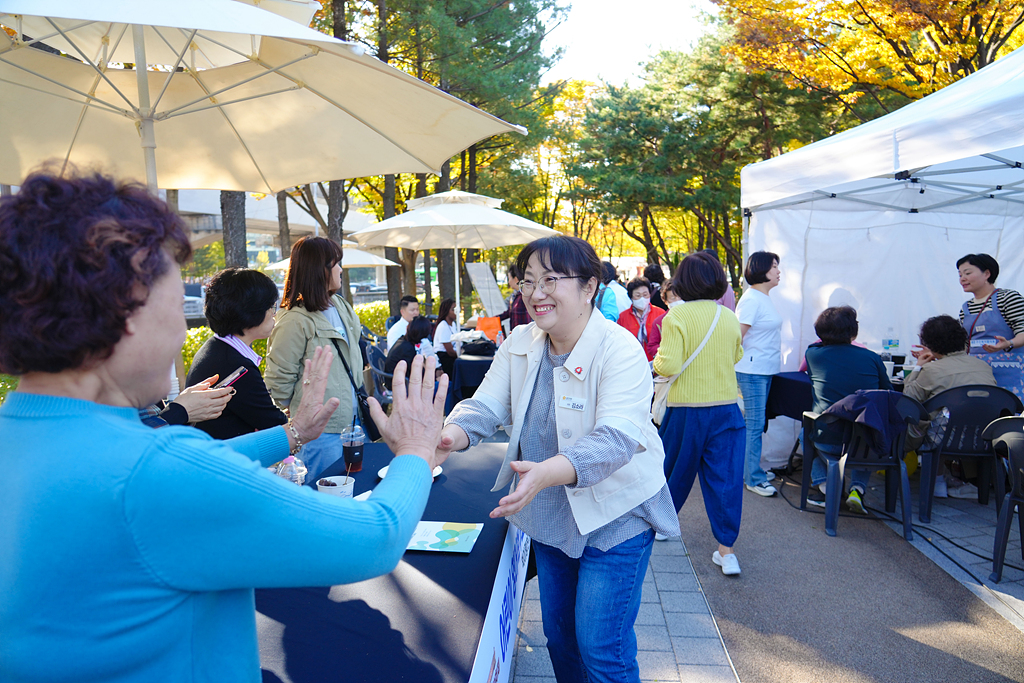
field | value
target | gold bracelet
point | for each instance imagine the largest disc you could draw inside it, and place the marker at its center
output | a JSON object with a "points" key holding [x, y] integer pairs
{"points": [[295, 435]]}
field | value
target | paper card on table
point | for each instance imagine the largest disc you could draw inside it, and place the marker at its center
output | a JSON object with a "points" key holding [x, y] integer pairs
{"points": [[445, 537]]}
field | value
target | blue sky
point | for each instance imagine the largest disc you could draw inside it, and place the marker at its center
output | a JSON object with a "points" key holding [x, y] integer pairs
{"points": [[608, 38]]}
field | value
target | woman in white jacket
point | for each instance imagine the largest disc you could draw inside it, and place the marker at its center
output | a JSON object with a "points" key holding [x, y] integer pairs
{"points": [[587, 461]]}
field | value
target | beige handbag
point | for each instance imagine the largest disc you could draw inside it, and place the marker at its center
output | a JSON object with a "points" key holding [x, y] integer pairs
{"points": [[662, 385]]}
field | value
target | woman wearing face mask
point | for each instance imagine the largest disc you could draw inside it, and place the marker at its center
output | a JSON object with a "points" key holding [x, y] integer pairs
{"points": [[994, 320], [641, 316], [761, 327]]}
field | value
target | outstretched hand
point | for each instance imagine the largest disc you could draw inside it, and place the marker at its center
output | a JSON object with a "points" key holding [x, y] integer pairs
{"points": [[534, 477], [417, 411], [312, 414]]}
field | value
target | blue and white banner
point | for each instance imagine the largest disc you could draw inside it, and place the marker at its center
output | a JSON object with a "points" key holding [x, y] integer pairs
{"points": [[498, 637]]}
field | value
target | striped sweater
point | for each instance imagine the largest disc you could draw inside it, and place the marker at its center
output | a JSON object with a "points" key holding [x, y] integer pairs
{"points": [[710, 380]]}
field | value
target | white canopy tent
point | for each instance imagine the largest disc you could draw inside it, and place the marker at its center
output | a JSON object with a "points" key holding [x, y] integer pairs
{"points": [[876, 217]]}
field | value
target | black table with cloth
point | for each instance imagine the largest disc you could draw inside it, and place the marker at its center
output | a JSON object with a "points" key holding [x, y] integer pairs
{"points": [[469, 373], [790, 395], [420, 623]]}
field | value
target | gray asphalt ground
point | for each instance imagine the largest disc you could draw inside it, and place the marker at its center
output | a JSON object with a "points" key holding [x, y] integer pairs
{"points": [[863, 606]]}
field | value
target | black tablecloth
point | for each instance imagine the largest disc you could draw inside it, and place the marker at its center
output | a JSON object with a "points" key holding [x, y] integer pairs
{"points": [[789, 395], [469, 373], [420, 623]]}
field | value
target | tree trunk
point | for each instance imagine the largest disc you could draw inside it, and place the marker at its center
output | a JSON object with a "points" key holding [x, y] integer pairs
{"points": [[338, 15], [394, 274], [284, 235], [232, 214], [172, 200], [408, 261]]}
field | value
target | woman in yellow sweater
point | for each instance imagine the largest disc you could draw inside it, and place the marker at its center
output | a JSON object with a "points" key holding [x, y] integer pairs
{"points": [[703, 431]]}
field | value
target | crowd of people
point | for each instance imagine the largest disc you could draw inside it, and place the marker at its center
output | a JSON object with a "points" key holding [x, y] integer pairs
{"points": [[167, 531]]}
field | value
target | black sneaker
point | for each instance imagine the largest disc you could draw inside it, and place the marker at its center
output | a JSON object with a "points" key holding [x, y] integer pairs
{"points": [[815, 497]]}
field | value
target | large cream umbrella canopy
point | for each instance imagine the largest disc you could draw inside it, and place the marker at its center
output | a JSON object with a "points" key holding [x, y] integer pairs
{"points": [[453, 220], [235, 98]]}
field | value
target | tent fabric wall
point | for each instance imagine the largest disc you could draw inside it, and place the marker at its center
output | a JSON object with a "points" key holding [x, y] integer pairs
{"points": [[896, 269], [877, 216]]}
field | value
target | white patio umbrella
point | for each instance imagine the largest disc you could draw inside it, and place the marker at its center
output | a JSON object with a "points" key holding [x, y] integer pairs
{"points": [[351, 258], [453, 220], [234, 97]]}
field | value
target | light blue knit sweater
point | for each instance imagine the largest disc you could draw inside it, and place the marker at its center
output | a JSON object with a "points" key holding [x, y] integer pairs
{"points": [[131, 554]]}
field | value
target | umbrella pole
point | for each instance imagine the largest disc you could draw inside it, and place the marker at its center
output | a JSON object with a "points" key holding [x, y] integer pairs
{"points": [[145, 111], [458, 279]]}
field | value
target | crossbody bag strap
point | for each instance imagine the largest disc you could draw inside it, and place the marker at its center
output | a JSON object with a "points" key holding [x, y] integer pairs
{"points": [[703, 343], [345, 363]]}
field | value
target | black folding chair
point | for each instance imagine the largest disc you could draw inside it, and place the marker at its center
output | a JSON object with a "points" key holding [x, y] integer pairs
{"points": [[858, 453], [971, 409], [1007, 437]]}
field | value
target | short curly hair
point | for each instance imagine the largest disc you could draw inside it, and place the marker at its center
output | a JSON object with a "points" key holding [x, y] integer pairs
{"points": [[237, 299], [78, 255], [943, 335]]}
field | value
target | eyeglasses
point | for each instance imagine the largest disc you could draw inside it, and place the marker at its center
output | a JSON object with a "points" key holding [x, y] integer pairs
{"points": [[547, 284]]}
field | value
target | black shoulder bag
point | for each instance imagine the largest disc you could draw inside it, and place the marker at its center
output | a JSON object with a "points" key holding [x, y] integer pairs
{"points": [[369, 426]]}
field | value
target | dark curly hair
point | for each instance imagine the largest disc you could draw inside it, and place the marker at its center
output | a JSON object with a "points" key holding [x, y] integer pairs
{"points": [[943, 335], [78, 255], [237, 299]]}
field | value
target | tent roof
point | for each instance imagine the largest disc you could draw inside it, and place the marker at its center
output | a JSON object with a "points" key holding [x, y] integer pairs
{"points": [[965, 141]]}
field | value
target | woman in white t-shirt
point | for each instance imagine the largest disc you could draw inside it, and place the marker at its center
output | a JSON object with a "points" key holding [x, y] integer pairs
{"points": [[761, 326], [447, 350]]}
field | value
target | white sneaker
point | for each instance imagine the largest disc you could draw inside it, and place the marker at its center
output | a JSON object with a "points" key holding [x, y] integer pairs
{"points": [[966, 491], [762, 489], [940, 488], [729, 564], [769, 475], [660, 536]]}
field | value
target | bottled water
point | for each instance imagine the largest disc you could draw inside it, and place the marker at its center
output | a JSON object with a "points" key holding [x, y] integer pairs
{"points": [[292, 469], [890, 343]]}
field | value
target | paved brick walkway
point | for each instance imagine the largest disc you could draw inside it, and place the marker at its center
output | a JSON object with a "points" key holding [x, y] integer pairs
{"points": [[677, 638]]}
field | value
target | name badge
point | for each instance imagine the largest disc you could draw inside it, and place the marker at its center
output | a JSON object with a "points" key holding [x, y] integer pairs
{"points": [[979, 328], [572, 403], [978, 343]]}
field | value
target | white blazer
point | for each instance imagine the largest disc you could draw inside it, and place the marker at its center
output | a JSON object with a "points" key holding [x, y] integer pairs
{"points": [[606, 380]]}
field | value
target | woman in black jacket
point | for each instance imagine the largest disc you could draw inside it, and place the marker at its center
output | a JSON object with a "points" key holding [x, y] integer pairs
{"points": [[240, 307]]}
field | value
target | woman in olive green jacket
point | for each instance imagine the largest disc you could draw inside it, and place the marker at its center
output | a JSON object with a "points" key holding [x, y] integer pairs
{"points": [[313, 315]]}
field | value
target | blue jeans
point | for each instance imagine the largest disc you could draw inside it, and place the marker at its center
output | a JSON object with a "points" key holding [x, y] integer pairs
{"points": [[819, 469], [320, 453], [589, 606], [707, 442], [755, 399]]}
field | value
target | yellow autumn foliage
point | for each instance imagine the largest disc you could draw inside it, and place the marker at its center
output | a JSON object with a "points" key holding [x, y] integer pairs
{"points": [[852, 47]]}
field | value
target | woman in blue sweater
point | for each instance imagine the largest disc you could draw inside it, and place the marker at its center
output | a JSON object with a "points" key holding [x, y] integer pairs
{"points": [[129, 553]]}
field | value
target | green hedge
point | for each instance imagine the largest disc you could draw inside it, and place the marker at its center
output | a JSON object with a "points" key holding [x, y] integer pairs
{"points": [[7, 385], [374, 315]]}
